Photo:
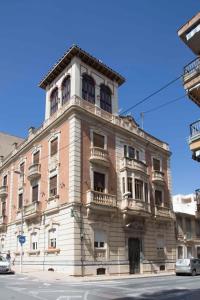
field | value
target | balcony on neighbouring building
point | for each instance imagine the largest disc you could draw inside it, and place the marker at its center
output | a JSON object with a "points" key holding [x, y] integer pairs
{"points": [[158, 177], [135, 207], [133, 164], [191, 80], [99, 156], [194, 140], [34, 171], [162, 212], [32, 210], [190, 33], [101, 201], [3, 191]]}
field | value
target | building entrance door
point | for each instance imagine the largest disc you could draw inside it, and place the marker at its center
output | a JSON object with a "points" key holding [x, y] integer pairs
{"points": [[134, 255]]}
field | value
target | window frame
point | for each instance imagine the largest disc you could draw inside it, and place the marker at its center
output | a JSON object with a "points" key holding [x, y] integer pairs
{"points": [[88, 88], [105, 98], [54, 100], [67, 88]]}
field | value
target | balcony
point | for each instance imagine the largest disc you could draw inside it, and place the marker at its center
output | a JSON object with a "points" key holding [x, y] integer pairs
{"points": [[52, 204], [133, 164], [34, 172], [158, 177], [135, 207], [99, 156], [101, 201], [191, 80], [32, 210], [3, 191], [190, 33], [162, 212]]}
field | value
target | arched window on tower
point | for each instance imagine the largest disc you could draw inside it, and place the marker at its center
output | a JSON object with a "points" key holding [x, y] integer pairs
{"points": [[66, 90], [105, 98], [88, 88], [54, 101]]}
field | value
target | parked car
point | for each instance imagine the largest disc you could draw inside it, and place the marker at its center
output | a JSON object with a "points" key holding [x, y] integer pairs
{"points": [[188, 266], [5, 266]]}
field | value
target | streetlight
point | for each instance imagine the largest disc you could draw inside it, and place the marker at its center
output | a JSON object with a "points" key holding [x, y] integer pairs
{"points": [[22, 219]]}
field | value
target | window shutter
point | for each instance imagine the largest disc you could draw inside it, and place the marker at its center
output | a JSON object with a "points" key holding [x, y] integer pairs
{"points": [[54, 146], [35, 193], [36, 157]]}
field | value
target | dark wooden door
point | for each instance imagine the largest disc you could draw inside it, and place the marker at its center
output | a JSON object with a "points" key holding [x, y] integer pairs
{"points": [[134, 255]]}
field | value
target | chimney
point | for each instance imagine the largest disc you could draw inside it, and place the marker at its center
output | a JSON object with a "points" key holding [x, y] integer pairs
{"points": [[15, 145], [31, 130]]}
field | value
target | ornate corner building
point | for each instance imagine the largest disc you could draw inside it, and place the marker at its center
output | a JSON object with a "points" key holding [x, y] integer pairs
{"points": [[92, 189]]}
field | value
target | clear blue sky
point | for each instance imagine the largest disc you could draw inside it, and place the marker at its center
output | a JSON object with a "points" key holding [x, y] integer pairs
{"points": [[136, 38]]}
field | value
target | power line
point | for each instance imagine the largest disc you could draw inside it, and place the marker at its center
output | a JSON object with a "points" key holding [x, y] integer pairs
{"points": [[153, 94], [164, 104]]}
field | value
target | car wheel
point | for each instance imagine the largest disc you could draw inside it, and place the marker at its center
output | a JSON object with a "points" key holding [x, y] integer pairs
{"points": [[194, 273]]}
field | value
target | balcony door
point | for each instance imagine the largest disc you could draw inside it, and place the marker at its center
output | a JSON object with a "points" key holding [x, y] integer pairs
{"points": [[134, 255], [99, 182]]}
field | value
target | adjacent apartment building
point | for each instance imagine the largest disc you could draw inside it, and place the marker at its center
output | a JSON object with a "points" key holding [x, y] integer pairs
{"points": [[90, 187], [187, 226]]}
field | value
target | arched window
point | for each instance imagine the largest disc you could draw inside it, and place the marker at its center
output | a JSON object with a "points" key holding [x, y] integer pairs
{"points": [[88, 88], [105, 98], [54, 101], [65, 90]]}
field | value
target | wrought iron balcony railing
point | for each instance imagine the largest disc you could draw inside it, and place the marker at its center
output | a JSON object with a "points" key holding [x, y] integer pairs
{"points": [[192, 68]]}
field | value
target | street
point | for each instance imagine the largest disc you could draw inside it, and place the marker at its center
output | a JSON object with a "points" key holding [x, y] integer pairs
{"points": [[24, 287]]}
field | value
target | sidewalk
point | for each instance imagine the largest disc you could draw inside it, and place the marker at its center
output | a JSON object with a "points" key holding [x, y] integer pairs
{"points": [[50, 276]]}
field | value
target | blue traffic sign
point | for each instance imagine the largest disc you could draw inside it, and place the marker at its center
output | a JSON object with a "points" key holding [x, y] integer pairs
{"points": [[22, 239]]}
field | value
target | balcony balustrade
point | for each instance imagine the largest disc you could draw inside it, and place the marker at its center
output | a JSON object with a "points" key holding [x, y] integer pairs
{"points": [[32, 210], [3, 191], [162, 212], [133, 164], [101, 200], [158, 177], [191, 80], [99, 156], [133, 206], [34, 172]]}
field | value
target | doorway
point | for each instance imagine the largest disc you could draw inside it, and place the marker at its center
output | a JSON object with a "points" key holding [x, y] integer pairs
{"points": [[134, 255]]}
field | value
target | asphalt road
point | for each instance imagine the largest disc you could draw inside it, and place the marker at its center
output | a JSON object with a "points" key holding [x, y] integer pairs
{"points": [[18, 287]]}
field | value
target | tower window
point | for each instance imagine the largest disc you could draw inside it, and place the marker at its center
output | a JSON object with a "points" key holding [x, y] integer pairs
{"points": [[88, 88], [66, 90], [105, 98], [54, 101]]}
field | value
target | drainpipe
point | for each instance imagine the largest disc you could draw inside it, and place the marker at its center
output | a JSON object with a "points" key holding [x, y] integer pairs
{"points": [[82, 239], [44, 219]]}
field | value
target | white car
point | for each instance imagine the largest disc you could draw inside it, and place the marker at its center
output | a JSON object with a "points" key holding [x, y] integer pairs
{"points": [[5, 265]]}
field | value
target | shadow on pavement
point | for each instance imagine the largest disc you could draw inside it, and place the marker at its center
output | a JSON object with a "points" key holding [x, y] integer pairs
{"points": [[175, 294]]}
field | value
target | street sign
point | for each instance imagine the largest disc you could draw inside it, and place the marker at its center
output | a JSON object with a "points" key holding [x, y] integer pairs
{"points": [[22, 239]]}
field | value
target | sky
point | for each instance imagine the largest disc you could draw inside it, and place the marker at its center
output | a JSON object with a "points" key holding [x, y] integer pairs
{"points": [[136, 38]]}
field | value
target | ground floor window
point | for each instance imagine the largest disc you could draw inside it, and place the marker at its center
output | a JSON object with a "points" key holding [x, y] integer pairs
{"points": [[160, 246], [198, 252], [52, 238], [180, 252], [99, 239], [34, 241], [189, 252]]}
